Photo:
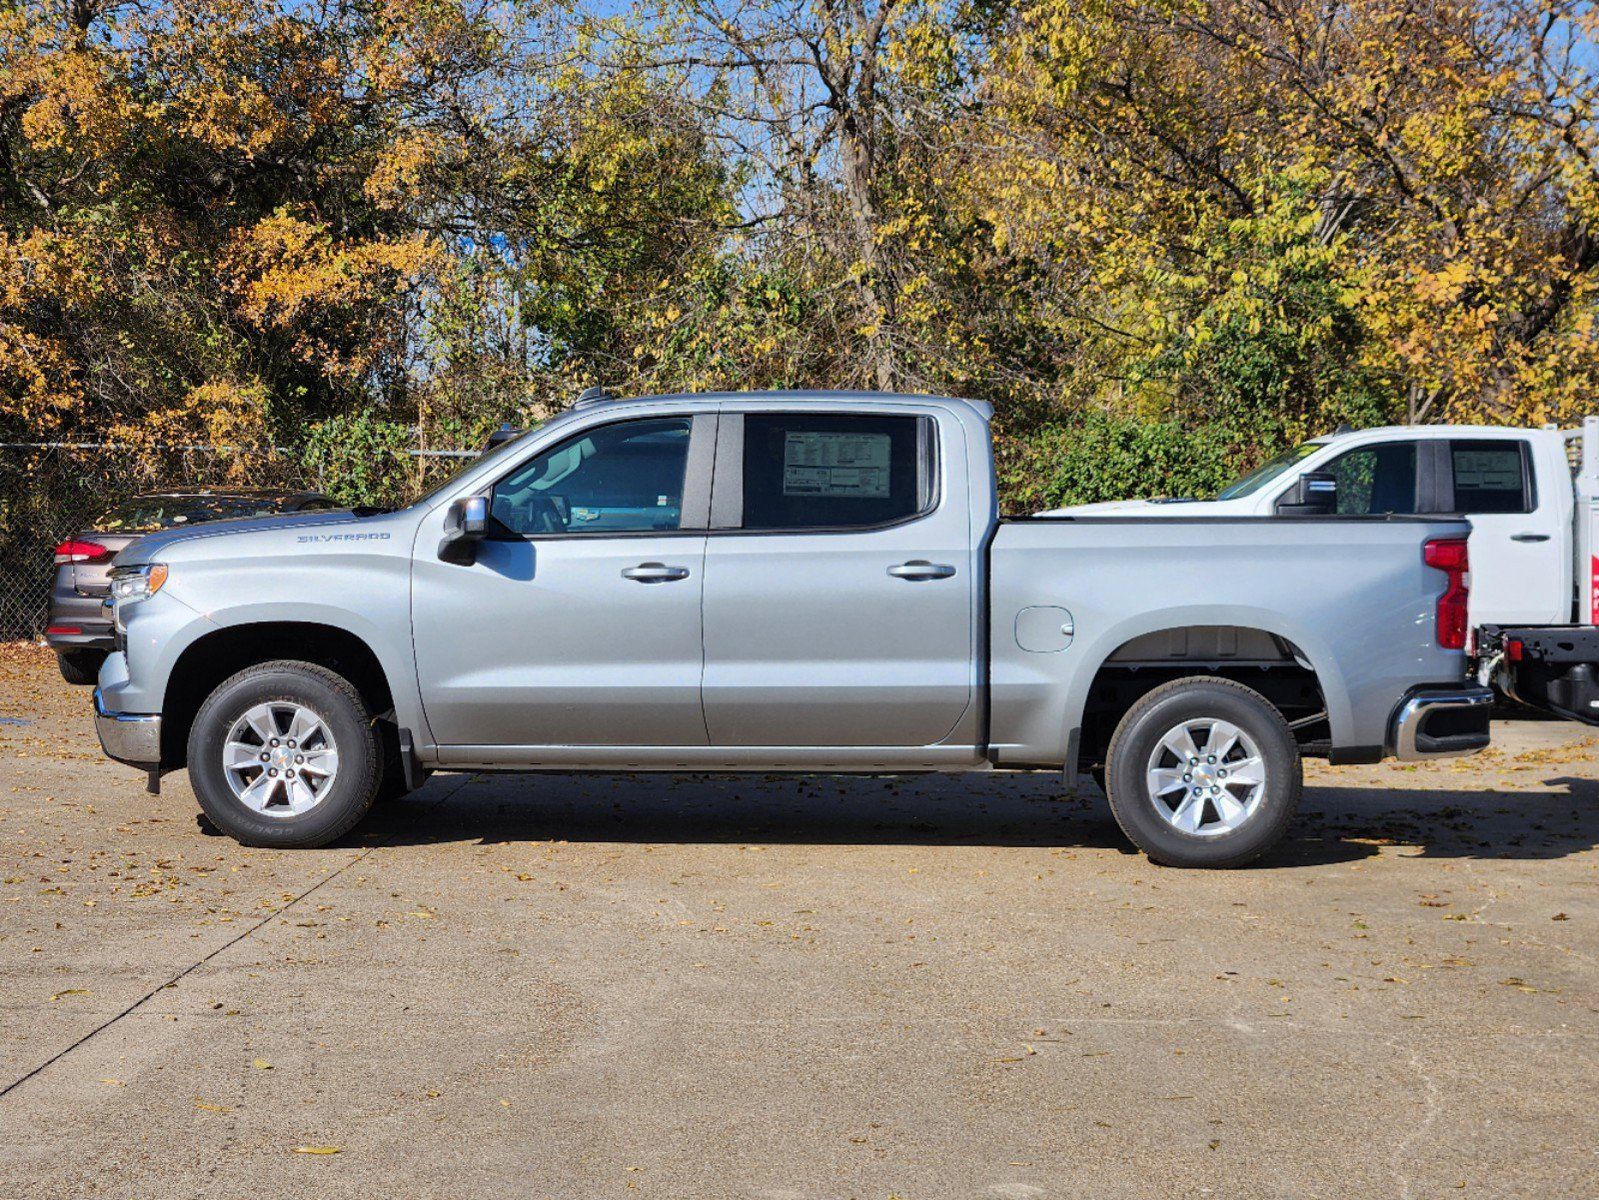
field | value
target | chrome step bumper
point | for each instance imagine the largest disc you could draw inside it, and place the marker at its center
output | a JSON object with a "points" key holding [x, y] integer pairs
{"points": [[1442, 722]]}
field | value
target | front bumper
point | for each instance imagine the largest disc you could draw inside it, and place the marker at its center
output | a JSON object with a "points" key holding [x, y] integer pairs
{"points": [[132, 738], [1442, 722]]}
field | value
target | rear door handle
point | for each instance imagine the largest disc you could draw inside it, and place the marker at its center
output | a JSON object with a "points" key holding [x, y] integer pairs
{"points": [[654, 572], [1529, 537], [920, 568]]}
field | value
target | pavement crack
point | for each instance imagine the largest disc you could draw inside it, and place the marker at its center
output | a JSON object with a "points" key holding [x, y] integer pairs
{"points": [[1401, 1172], [227, 945], [194, 966]]}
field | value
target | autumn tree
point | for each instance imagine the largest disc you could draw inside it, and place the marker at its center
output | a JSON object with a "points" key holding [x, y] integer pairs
{"points": [[1162, 236], [1367, 209], [225, 220]]}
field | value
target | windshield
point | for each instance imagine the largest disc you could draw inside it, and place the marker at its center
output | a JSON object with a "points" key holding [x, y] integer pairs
{"points": [[1251, 483], [146, 514]]}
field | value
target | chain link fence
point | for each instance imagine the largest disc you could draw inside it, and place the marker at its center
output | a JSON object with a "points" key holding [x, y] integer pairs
{"points": [[52, 490]]}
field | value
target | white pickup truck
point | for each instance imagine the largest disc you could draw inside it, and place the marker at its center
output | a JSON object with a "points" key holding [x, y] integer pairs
{"points": [[1532, 497]]}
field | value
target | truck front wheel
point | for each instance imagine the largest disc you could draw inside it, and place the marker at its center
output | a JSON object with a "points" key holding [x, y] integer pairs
{"points": [[1203, 772], [80, 667], [284, 754]]}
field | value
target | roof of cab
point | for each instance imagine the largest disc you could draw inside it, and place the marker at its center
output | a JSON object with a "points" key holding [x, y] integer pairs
{"points": [[982, 408], [1432, 431]]}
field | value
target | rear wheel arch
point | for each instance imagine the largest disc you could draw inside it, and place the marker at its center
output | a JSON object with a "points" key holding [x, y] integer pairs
{"points": [[216, 657], [1259, 658], [80, 667]]}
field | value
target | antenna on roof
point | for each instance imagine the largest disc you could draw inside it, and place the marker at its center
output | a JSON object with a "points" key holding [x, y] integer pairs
{"points": [[593, 395], [503, 434]]}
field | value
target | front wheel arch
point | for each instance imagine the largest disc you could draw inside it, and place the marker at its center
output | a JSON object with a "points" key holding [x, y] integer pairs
{"points": [[209, 660]]}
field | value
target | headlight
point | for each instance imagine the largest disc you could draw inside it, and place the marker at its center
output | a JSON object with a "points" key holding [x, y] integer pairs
{"points": [[131, 584]]}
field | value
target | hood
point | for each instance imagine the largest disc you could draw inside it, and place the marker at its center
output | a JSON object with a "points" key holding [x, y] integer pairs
{"points": [[1103, 508], [1157, 508], [151, 545]]}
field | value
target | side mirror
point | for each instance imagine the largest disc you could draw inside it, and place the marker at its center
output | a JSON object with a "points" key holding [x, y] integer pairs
{"points": [[464, 526], [1314, 495]]}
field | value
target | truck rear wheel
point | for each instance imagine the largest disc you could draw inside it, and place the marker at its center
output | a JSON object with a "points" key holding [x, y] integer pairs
{"points": [[1203, 772], [284, 754]]}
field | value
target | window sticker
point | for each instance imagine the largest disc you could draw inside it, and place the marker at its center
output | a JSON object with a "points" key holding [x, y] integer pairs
{"points": [[836, 464], [1485, 470]]}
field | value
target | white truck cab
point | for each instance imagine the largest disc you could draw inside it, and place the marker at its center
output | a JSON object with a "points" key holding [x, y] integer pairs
{"points": [[1518, 487]]}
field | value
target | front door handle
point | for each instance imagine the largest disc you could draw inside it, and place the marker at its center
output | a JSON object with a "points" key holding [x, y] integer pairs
{"points": [[1529, 537], [654, 572], [920, 568]]}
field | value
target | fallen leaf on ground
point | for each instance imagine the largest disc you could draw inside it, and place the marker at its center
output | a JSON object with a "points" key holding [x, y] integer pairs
{"points": [[72, 992], [319, 1149]]}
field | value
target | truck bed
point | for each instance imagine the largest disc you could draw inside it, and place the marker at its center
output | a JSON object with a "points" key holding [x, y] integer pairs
{"points": [[1348, 597]]}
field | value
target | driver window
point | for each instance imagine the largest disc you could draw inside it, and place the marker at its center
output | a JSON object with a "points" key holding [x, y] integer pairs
{"points": [[621, 478], [1376, 479]]}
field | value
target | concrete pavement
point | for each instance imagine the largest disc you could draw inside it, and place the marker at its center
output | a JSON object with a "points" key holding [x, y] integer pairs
{"points": [[762, 987]]}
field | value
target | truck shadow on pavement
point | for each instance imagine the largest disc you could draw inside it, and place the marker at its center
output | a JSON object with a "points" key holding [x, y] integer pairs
{"points": [[1334, 825]]}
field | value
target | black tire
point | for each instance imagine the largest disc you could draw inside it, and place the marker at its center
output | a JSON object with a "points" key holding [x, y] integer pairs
{"points": [[1140, 813], [80, 667], [330, 697]]}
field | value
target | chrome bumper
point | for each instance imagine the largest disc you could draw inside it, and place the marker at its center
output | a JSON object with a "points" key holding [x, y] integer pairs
{"points": [[132, 738], [1442, 722]]}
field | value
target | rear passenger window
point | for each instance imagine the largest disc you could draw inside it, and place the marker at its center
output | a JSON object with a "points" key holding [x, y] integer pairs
{"points": [[1377, 479], [835, 471], [1490, 477]]}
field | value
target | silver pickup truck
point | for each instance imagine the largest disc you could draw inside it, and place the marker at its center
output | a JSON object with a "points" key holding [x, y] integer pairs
{"points": [[806, 582]]}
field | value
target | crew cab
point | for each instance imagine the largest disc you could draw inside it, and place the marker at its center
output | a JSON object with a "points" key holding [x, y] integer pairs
{"points": [[790, 582]]}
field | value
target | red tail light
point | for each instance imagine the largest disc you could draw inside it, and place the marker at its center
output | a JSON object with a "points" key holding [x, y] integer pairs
{"points": [[81, 552], [1449, 556]]}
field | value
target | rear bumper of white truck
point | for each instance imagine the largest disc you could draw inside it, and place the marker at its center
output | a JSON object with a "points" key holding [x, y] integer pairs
{"points": [[1551, 667], [1441, 722]]}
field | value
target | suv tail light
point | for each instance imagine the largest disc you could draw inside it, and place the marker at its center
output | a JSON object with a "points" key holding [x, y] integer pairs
{"points": [[1449, 556], [81, 552]]}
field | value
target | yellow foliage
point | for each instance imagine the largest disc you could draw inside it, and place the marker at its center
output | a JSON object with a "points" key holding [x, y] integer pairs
{"points": [[285, 269], [220, 413]]}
